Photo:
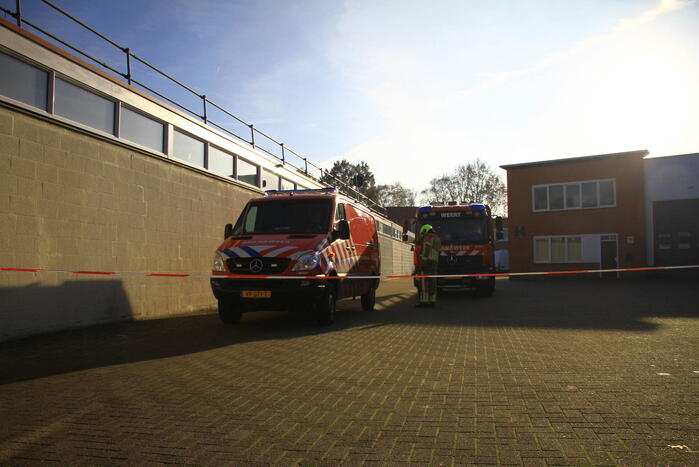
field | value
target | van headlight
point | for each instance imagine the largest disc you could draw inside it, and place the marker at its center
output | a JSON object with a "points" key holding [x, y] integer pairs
{"points": [[219, 262], [306, 262]]}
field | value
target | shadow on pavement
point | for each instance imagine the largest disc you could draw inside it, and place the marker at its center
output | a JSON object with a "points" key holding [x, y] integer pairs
{"points": [[584, 304]]}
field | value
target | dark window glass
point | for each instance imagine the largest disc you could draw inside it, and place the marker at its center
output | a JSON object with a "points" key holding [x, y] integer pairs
{"points": [[246, 172], [83, 106], [572, 196], [22, 82], [589, 195], [187, 148], [282, 216], [606, 193], [541, 198], [556, 197], [220, 162], [141, 129]]}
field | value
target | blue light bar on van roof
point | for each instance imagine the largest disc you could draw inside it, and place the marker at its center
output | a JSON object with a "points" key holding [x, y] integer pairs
{"points": [[329, 189], [477, 207], [424, 209]]}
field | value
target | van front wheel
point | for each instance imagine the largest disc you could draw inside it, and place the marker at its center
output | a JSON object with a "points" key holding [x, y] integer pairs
{"points": [[325, 308]]}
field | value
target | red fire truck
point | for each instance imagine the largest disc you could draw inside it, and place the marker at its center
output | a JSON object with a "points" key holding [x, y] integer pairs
{"points": [[467, 233]]}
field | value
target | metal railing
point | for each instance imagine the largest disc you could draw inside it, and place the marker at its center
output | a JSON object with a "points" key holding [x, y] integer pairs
{"points": [[254, 134]]}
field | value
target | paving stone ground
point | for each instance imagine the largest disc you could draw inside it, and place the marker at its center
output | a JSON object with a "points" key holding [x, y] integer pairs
{"points": [[546, 372]]}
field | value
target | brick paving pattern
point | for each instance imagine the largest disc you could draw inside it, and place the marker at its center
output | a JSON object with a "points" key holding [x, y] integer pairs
{"points": [[576, 372]]}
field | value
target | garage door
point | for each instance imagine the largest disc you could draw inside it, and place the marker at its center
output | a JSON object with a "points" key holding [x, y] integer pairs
{"points": [[676, 230]]}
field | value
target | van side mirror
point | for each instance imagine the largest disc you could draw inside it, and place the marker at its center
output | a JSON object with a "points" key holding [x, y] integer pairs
{"points": [[343, 230], [405, 237], [227, 231]]}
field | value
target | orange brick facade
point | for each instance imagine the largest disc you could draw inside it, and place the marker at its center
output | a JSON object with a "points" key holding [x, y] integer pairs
{"points": [[626, 219]]}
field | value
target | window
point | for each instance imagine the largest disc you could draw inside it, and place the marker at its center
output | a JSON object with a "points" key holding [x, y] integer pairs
{"points": [[556, 197], [83, 106], [286, 216], [589, 195], [286, 185], [541, 250], [541, 198], [23, 82], [141, 129], [572, 196], [577, 195], [558, 249], [270, 181], [606, 193], [220, 162], [246, 172], [188, 149]]}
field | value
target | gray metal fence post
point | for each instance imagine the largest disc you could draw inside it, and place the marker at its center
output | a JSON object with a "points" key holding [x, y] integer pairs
{"points": [[128, 64], [18, 12]]}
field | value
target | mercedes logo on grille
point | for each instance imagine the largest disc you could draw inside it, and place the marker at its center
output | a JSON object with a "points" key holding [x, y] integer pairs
{"points": [[451, 259], [256, 265]]}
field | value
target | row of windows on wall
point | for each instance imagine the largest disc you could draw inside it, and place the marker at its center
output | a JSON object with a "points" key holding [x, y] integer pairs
{"points": [[28, 84], [576, 195], [562, 249]]}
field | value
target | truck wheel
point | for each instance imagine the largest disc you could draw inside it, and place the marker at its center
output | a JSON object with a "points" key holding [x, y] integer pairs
{"points": [[325, 308], [487, 289], [369, 299], [228, 313]]}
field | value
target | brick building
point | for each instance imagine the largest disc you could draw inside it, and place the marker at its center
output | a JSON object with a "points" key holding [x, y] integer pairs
{"points": [[577, 213]]}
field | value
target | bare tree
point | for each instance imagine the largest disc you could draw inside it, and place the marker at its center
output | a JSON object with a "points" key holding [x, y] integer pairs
{"points": [[474, 182], [396, 195]]}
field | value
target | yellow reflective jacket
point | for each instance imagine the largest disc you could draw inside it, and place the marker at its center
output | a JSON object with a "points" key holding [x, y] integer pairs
{"points": [[430, 247]]}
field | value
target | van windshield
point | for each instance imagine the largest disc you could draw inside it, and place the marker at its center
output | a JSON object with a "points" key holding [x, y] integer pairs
{"points": [[285, 216]]}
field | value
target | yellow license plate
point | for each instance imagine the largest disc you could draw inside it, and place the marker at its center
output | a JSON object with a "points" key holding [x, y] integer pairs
{"points": [[257, 294]]}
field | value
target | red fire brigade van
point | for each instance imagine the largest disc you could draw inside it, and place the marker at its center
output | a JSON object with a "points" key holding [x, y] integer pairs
{"points": [[318, 233]]}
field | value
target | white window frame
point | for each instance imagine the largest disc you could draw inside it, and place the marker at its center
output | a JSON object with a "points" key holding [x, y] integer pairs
{"points": [[565, 201], [565, 249]]}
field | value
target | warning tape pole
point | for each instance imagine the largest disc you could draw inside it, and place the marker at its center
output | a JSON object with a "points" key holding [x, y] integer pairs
{"points": [[414, 276]]}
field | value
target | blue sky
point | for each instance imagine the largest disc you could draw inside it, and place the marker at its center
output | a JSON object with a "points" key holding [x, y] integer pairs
{"points": [[415, 88]]}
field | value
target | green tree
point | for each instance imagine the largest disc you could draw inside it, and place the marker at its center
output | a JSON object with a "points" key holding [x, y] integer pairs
{"points": [[474, 182], [357, 176], [396, 195]]}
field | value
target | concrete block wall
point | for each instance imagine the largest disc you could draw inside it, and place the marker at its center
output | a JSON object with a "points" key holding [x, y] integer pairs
{"points": [[396, 257], [72, 201]]}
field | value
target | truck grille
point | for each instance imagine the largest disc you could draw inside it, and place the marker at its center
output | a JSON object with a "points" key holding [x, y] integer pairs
{"points": [[462, 264], [269, 265]]}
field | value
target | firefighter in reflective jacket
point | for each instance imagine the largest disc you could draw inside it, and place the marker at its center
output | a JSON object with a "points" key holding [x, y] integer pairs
{"points": [[429, 256]]}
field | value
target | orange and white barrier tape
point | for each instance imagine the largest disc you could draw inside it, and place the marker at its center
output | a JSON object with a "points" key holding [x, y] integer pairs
{"points": [[259, 276]]}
